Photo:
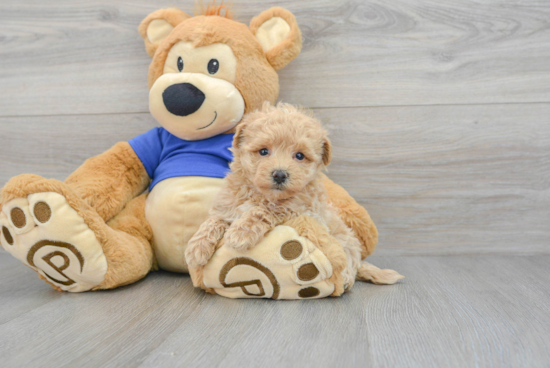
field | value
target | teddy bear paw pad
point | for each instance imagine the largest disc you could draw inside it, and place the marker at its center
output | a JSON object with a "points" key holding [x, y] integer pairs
{"points": [[282, 266], [45, 233]]}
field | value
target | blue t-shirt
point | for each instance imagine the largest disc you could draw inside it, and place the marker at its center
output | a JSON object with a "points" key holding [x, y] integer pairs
{"points": [[166, 156]]}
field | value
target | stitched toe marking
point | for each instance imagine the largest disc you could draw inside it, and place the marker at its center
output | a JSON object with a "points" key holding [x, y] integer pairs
{"points": [[307, 272], [291, 249], [7, 235], [308, 292], [18, 217], [42, 212]]}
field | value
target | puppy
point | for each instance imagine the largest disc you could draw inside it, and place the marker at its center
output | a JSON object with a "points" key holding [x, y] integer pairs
{"points": [[279, 153]]}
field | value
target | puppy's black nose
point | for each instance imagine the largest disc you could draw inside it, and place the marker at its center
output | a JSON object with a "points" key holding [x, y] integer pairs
{"points": [[279, 176], [182, 99]]}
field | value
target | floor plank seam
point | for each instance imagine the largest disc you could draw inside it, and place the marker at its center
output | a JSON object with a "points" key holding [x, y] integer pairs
{"points": [[309, 107]]}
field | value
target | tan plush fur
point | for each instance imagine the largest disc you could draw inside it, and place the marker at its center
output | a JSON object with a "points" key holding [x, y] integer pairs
{"points": [[109, 181], [257, 79], [252, 202], [173, 16], [282, 54], [222, 10], [355, 216], [128, 251], [131, 237]]}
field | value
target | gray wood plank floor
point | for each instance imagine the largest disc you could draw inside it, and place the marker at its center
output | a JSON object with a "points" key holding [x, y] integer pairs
{"points": [[463, 311]]}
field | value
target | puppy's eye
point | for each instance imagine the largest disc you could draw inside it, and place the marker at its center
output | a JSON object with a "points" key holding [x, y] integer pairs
{"points": [[299, 156], [264, 152], [213, 66], [180, 64]]}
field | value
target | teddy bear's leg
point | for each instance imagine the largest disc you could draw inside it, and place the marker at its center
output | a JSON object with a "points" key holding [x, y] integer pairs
{"points": [[107, 182], [297, 260], [358, 219], [353, 215], [128, 251], [52, 230]]}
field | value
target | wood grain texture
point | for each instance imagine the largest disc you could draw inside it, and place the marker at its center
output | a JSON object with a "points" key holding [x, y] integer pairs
{"points": [[448, 179], [76, 57], [448, 312], [436, 179]]}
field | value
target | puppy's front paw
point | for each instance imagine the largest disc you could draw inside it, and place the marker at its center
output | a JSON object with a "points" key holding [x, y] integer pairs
{"points": [[239, 240], [198, 253]]}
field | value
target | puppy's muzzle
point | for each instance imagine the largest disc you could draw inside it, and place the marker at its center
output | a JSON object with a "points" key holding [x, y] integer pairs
{"points": [[279, 176], [182, 99]]}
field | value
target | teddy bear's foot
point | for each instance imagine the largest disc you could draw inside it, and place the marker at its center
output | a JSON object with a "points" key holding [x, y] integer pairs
{"points": [[282, 266], [45, 233]]}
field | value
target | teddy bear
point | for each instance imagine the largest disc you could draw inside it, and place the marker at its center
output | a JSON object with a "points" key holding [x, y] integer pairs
{"points": [[133, 208]]}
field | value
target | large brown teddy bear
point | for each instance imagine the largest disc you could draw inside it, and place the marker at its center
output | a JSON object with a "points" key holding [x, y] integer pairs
{"points": [[102, 227]]}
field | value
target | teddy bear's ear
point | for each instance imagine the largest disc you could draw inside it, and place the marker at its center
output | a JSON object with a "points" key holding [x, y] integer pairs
{"points": [[277, 31], [158, 25]]}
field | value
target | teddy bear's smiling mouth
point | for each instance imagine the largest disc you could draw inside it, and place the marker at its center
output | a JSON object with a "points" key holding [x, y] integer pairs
{"points": [[215, 117]]}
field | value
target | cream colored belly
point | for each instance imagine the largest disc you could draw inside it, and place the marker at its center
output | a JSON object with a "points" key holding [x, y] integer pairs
{"points": [[175, 209]]}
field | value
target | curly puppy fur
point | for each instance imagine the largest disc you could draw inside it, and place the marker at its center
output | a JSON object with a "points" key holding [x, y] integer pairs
{"points": [[279, 153]]}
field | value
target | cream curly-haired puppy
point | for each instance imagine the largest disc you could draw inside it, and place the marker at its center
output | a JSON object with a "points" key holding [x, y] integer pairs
{"points": [[279, 153]]}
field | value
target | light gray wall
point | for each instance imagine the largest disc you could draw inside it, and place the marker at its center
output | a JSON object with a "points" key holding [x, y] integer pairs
{"points": [[439, 111]]}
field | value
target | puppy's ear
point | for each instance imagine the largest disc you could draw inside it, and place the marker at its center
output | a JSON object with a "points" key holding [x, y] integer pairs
{"points": [[277, 31], [237, 139], [158, 25], [327, 151]]}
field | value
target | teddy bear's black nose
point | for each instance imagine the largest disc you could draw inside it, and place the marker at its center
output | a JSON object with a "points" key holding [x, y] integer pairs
{"points": [[279, 176], [182, 99]]}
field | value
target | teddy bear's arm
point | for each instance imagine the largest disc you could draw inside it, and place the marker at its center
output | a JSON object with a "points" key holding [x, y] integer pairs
{"points": [[354, 216], [109, 181]]}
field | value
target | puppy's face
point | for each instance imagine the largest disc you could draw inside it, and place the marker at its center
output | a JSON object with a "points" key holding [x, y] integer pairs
{"points": [[280, 150]]}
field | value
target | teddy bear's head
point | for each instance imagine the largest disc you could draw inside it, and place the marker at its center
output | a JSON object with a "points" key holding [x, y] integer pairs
{"points": [[209, 70]]}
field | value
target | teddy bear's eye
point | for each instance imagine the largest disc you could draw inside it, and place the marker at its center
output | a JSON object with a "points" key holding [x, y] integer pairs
{"points": [[264, 152], [299, 156], [180, 64], [213, 66]]}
